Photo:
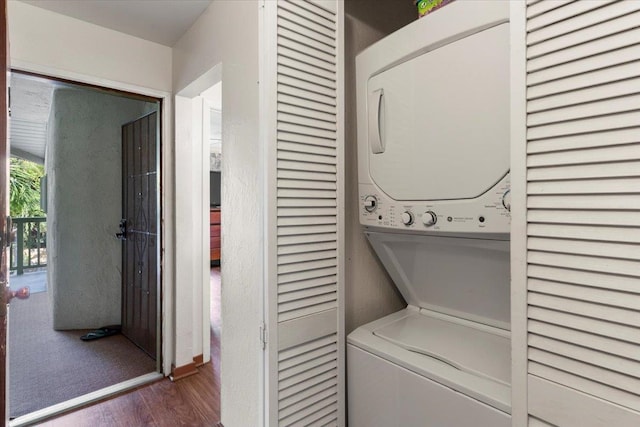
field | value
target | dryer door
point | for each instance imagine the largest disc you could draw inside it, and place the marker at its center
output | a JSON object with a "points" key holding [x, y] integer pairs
{"points": [[438, 124]]}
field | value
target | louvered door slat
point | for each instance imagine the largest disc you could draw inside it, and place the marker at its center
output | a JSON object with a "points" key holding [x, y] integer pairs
{"points": [[306, 112], [582, 181], [591, 109], [562, 13], [544, 6], [290, 16], [293, 212], [594, 124], [321, 35], [572, 142], [328, 279], [307, 122], [584, 331], [598, 358], [593, 17], [328, 420], [579, 262], [585, 278], [309, 70], [287, 31], [584, 95], [299, 46], [586, 156], [306, 256], [603, 249], [606, 201], [587, 186], [595, 295], [307, 232], [579, 37], [306, 238], [598, 170], [303, 139], [626, 382], [611, 234]]}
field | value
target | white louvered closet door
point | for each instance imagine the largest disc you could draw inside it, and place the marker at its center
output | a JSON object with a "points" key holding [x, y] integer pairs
{"points": [[582, 212], [304, 109]]}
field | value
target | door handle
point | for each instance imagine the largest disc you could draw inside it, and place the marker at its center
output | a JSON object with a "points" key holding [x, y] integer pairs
{"points": [[22, 293], [122, 235], [8, 294], [375, 110]]}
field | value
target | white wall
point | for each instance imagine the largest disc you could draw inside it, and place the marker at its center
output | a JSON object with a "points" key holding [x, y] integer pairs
{"points": [[370, 292], [38, 36], [227, 35], [84, 168]]}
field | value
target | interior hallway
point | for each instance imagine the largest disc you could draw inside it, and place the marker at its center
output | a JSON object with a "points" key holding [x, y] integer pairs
{"points": [[192, 401]]}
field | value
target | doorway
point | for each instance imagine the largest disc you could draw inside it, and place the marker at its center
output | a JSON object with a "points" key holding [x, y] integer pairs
{"points": [[80, 153]]}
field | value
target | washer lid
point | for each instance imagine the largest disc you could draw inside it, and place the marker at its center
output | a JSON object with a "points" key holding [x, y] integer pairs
{"points": [[468, 349], [438, 124], [466, 278]]}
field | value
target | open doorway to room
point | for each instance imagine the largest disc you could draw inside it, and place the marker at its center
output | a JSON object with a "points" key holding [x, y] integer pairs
{"points": [[199, 165], [87, 246]]}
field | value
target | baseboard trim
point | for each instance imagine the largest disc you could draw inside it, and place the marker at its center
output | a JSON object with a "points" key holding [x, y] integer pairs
{"points": [[199, 360], [177, 373]]}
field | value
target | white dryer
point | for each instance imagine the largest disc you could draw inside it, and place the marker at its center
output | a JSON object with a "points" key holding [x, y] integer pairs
{"points": [[433, 168]]}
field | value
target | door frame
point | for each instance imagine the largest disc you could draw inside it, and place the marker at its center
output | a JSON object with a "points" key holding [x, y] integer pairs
{"points": [[167, 250], [193, 276], [4, 272], [166, 183]]}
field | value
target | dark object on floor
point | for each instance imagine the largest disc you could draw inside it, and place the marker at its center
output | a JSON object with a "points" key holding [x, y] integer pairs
{"points": [[105, 331]]}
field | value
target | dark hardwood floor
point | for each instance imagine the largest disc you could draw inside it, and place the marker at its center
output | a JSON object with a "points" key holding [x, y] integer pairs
{"points": [[192, 401]]}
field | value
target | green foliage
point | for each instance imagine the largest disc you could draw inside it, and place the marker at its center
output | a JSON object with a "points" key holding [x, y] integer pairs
{"points": [[24, 188]]}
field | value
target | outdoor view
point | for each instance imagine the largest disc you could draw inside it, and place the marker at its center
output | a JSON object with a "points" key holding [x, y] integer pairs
{"points": [[29, 229]]}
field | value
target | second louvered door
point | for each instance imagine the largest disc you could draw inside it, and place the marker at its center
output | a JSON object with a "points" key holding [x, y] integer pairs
{"points": [[581, 216], [303, 91]]}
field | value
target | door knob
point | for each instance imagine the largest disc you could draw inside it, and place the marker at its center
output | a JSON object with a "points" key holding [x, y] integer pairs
{"points": [[22, 293]]}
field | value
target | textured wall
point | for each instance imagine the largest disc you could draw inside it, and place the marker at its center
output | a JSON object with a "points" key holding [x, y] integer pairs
{"points": [[84, 205], [370, 292], [227, 33], [43, 38]]}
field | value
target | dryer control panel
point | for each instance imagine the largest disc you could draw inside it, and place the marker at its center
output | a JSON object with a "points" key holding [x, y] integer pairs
{"points": [[488, 213]]}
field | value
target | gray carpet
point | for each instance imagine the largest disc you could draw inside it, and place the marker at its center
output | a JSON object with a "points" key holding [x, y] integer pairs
{"points": [[48, 367]]}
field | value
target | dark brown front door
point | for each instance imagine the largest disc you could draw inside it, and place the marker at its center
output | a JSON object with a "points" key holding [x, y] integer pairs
{"points": [[4, 193], [141, 240]]}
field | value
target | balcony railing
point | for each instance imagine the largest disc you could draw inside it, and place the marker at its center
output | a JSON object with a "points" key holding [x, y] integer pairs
{"points": [[29, 244]]}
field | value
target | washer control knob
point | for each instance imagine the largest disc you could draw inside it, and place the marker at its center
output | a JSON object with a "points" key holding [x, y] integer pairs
{"points": [[370, 203], [407, 218], [506, 200], [429, 218]]}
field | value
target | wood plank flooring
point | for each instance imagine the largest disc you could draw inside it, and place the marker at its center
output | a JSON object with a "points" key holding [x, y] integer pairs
{"points": [[192, 401]]}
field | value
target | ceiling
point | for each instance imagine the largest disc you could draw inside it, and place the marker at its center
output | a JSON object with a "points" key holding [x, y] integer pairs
{"points": [[160, 21], [30, 107]]}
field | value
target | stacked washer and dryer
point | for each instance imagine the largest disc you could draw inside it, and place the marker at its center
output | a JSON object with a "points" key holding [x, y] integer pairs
{"points": [[433, 168]]}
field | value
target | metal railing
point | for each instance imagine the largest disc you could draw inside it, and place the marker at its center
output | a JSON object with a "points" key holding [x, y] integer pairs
{"points": [[28, 244]]}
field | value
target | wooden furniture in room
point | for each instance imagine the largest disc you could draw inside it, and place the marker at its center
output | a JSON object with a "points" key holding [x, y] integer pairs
{"points": [[214, 227]]}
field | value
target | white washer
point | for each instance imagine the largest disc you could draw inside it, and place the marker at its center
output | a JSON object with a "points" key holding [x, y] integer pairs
{"points": [[433, 168]]}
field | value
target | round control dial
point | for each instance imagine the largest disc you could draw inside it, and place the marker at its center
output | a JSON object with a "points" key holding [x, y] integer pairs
{"points": [[370, 203], [407, 218], [429, 218], [506, 200]]}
